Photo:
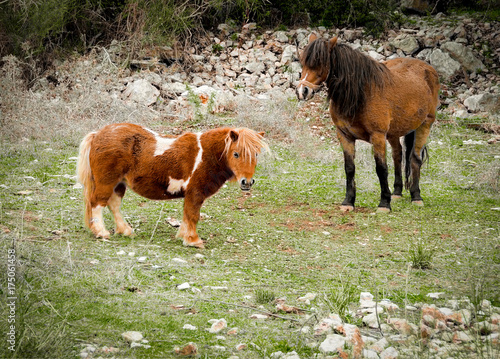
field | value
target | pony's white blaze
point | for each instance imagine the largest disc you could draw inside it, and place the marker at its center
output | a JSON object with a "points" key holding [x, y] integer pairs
{"points": [[200, 153], [175, 185]]}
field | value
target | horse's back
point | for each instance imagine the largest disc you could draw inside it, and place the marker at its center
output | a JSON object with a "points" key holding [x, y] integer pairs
{"points": [[412, 73]]}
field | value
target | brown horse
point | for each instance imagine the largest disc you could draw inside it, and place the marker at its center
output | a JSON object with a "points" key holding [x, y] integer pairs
{"points": [[374, 102], [193, 166]]}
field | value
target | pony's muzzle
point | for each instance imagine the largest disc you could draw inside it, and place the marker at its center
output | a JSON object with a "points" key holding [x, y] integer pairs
{"points": [[304, 92], [246, 184]]}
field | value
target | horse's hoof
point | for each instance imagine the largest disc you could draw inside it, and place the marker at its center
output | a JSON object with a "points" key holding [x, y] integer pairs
{"points": [[383, 210], [396, 196], [346, 208], [103, 235], [419, 203]]}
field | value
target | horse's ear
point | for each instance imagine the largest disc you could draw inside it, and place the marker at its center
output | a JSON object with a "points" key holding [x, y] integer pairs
{"points": [[234, 135], [333, 41], [312, 37], [261, 134]]}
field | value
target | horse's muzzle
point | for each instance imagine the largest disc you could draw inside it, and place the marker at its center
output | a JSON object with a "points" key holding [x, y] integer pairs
{"points": [[246, 184], [304, 92]]}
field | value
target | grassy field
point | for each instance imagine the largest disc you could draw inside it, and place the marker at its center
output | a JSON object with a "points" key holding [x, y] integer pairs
{"points": [[285, 239]]}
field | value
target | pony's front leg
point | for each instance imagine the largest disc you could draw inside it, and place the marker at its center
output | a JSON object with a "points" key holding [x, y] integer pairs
{"points": [[97, 223], [379, 149], [397, 157], [348, 146], [187, 230]]}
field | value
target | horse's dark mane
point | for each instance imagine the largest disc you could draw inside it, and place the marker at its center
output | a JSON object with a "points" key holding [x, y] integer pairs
{"points": [[352, 76]]}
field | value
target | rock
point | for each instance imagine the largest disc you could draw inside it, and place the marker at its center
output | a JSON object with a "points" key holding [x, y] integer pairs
{"points": [[259, 316], [375, 55], [132, 336], [288, 54], [461, 337], [444, 64], [179, 261], [141, 92], [420, 6], [380, 345], [389, 353], [175, 88], [371, 321], [463, 55], [408, 44], [189, 349], [307, 298], [189, 327], [255, 67], [483, 102], [333, 343], [401, 325], [184, 286], [370, 354], [241, 346], [218, 325], [281, 36]]}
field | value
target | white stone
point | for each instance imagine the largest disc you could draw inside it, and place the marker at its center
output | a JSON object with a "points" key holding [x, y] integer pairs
{"points": [[184, 286], [218, 325], [142, 92], [332, 343], [370, 354], [444, 64], [370, 321], [179, 261], [132, 336], [389, 353], [189, 327]]}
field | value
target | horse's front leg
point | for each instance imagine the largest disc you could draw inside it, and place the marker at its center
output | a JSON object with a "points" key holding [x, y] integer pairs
{"points": [[349, 148], [379, 149], [187, 230], [397, 157]]}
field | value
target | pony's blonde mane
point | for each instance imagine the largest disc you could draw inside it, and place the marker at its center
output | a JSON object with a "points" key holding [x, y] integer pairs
{"points": [[248, 144]]}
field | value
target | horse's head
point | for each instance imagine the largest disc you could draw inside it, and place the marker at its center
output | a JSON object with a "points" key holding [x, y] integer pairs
{"points": [[242, 149], [315, 62]]}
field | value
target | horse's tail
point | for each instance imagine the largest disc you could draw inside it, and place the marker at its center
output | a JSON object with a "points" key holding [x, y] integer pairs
{"points": [[409, 142], [84, 174]]}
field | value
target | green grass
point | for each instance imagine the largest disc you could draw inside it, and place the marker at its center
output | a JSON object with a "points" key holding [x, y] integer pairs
{"points": [[287, 239]]}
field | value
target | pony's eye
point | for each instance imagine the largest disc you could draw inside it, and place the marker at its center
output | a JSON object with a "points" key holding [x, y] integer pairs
{"points": [[236, 155]]}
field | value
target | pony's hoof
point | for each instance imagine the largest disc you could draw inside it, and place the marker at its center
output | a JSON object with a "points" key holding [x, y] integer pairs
{"points": [[103, 234], [396, 196], [346, 208], [383, 210], [419, 203], [199, 244], [127, 231]]}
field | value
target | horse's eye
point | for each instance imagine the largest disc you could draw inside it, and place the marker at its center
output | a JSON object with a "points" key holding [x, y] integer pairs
{"points": [[236, 155]]}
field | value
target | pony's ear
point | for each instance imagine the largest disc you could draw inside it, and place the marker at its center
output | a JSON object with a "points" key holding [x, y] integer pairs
{"points": [[312, 37], [333, 42], [261, 134], [234, 135]]}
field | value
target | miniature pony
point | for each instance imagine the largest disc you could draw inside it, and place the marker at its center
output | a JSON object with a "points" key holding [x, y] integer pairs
{"points": [[193, 166]]}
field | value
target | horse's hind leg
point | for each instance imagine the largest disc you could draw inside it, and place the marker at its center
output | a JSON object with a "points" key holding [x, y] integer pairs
{"points": [[397, 157], [379, 149], [421, 135], [114, 203]]}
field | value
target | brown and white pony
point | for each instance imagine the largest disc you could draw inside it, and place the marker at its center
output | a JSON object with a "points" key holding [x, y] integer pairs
{"points": [[193, 166], [374, 102]]}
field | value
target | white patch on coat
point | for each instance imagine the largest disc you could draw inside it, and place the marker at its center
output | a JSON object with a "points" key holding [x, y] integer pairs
{"points": [[175, 185], [162, 143], [200, 153]]}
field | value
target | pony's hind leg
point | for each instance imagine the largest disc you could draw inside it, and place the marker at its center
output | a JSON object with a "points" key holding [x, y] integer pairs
{"points": [[98, 201], [397, 157], [114, 203]]}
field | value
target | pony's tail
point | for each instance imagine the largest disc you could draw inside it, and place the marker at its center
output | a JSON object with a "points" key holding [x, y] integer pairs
{"points": [[84, 175], [409, 142]]}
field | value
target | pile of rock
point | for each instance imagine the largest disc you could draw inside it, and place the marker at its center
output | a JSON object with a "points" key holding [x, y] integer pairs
{"points": [[464, 52]]}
